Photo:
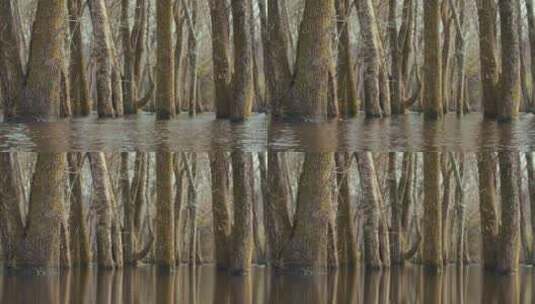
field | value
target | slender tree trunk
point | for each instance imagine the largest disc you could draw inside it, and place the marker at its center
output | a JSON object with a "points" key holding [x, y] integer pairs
{"points": [[166, 75], [531, 30], [345, 228], [129, 211], [165, 217], [129, 85]]}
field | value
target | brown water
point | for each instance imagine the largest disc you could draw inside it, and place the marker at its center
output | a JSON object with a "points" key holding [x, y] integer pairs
{"points": [[410, 132], [205, 285], [136, 133], [204, 133]]}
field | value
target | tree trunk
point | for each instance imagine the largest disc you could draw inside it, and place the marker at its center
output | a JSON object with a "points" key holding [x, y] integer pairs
{"points": [[531, 30], [433, 103], [308, 97], [129, 85], [242, 230], [220, 207], [129, 211], [432, 246], [307, 248], [371, 192], [487, 208], [166, 75], [103, 203], [345, 228], [510, 78], [531, 183], [40, 97], [242, 80], [165, 217], [41, 244]]}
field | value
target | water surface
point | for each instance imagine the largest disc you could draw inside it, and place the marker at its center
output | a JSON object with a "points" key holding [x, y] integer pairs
{"points": [[204, 285]]}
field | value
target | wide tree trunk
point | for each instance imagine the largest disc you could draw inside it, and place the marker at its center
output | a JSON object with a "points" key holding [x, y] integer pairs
{"points": [[40, 246], [165, 217], [307, 247], [309, 95], [41, 95], [488, 208]]}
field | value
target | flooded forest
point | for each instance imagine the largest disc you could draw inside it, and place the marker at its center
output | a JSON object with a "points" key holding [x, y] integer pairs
{"points": [[267, 151]]}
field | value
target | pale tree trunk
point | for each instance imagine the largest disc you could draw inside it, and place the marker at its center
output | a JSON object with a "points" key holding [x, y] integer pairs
{"points": [[460, 205], [103, 203], [102, 36], [242, 229], [345, 228], [41, 95], [307, 247], [165, 217], [191, 170], [128, 211], [347, 90], [432, 245], [370, 36], [371, 192], [165, 105], [433, 103], [40, 246], [80, 245]]}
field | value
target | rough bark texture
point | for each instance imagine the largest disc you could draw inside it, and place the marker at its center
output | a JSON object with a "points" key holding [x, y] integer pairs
{"points": [[165, 100], [165, 217], [11, 69], [371, 192], [307, 248], [220, 207], [242, 80], [490, 70], [219, 12], [509, 242], [308, 97], [370, 36], [129, 97], [487, 208], [242, 230], [79, 86], [103, 53], [41, 95], [433, 104], [40, 246], [103, 202], [432, 245], [510, 78], [345, 228]]}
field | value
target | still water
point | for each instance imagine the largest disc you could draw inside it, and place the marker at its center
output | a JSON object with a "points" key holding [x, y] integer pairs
{"points": [[204, 285], [142, 132]]}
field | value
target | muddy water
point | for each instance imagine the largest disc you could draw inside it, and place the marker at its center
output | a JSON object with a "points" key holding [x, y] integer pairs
{"points": [[410, 132], [204, 285]]}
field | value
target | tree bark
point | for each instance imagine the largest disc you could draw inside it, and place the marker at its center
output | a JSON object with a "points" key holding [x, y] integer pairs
{"points": [[487, 208], [433, 103], [166, 75], [432, 246], [345, 228], [165, 217]]}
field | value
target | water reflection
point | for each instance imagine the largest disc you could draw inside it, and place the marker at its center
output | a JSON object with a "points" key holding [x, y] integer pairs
{"points": [[410, 132], [136, 133], [203, 285]]}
